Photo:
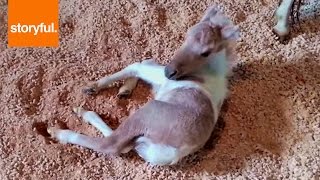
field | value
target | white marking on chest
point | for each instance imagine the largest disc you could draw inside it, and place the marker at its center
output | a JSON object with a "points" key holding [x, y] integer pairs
{"points": [[215, 80], [170, 85]]}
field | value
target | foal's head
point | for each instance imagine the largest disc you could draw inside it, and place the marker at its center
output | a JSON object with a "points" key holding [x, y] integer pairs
{"points": [[202, 41]]}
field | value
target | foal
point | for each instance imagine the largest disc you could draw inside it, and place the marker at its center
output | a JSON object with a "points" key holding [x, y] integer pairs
{"points": [[188, 92]]}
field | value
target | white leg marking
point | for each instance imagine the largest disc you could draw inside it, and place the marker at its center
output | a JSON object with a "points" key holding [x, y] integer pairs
{"points": [[282, 15], [147, 70], [94, 119], [68, 136], [150, 72], [123, 74], [63, 136], [128, 86]]}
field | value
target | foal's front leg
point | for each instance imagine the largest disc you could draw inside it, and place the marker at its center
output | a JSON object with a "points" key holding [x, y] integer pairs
{"points": [[147, 70], [127, 87], [95, 87]]}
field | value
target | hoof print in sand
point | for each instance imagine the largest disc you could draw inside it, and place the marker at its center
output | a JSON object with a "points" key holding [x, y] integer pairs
{"points": [[161, 16], [30, 90], [64, 97], [41, 129], [67, 26]]}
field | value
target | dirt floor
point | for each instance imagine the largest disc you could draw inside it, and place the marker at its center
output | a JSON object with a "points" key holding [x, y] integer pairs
{"points": [[269, 127]]}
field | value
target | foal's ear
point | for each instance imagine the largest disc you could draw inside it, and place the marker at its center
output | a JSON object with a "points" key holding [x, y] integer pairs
{"points": [[210, 12], [216, 19], [230, 32]]}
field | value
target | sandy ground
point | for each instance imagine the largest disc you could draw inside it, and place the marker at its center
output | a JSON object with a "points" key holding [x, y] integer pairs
{"points": [[269, 127]]}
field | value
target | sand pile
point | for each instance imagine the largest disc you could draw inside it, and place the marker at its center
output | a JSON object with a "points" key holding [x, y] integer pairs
{"points": [[269, 128]]}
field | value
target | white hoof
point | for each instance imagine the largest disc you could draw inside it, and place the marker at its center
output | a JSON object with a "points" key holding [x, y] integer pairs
{"points": [[58, 134], [79, 111]]}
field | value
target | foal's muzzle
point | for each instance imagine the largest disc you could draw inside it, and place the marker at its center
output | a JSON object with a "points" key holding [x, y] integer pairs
{"points": [[170, 73]]}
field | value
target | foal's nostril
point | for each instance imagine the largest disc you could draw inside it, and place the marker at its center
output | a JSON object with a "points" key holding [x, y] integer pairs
{"points": [[170, 73], [174, 72]]}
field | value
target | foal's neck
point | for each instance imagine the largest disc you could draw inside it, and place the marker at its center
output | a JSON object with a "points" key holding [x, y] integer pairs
{"points": [[214, 78], [217, 65]]}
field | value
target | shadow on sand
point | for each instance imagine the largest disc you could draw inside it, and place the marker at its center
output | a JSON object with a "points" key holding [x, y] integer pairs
{"points": [[257, 118]]}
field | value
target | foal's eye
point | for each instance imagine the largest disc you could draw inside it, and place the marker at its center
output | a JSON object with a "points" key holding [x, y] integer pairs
{"points": [[205, 54]]}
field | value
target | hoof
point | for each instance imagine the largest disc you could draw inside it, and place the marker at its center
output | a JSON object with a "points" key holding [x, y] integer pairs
{"points": [[91, 89], [124, 94], [53, 131], [78, 111], [282, 37], [55, 134]]}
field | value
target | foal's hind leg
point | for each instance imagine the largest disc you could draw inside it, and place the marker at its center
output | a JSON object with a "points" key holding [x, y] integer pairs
{"points": [[65, 136], [94, 119], [109, 145]]}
